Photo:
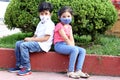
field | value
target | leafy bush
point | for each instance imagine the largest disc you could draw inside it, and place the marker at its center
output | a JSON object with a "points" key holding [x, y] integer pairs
{"points": [[90, 16], [22, 14]]}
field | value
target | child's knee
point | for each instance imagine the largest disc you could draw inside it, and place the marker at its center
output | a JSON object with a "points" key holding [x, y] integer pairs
{"points": [[74, 50], [23, 45], [83, 51], [18, 43]]}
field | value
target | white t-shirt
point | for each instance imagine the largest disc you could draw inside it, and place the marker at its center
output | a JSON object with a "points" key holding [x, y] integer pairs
{"points": [[43, 29]]}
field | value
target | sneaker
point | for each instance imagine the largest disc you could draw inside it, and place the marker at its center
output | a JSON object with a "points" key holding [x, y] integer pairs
{"points": [[24, 72], [81, 74], [72, 75], [17, 69]]}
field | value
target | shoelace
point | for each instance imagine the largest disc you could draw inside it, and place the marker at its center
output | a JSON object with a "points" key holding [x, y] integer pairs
{"points": [[23, 69]]}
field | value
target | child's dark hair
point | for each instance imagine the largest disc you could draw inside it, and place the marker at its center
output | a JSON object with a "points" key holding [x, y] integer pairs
{"points": [[45, 6], [65, 9]]}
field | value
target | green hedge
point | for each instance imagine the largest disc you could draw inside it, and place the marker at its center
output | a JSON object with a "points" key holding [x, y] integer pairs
{"points": [[22, 14], [91, 17]]}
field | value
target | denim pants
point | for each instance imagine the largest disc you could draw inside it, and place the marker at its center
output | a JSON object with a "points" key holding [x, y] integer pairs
{"points": [[77, 55], [22, 50]]}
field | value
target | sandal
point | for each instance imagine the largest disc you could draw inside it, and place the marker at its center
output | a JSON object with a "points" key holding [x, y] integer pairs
{"points": [[82, 75], [72, 75]]}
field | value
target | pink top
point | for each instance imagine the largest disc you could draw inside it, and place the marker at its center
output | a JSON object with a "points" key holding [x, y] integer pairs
{"points": [[57, 36]]}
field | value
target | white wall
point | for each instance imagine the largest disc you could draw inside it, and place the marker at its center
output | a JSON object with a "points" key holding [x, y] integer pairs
{"points": [[3, 6], [5, 0]]}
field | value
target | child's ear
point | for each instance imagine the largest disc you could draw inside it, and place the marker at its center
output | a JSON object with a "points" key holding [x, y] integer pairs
{"points": [[38, 13], [58, 17], [51, 13]]}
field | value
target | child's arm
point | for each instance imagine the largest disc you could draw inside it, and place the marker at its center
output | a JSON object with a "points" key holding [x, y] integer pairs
{"points": [[42, 39], [35, 35], [37, 39], [67, 40], [71, 37]]}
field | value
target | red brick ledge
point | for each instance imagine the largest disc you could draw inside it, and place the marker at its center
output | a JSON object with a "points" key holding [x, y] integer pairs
{"points": [[94, 64]]}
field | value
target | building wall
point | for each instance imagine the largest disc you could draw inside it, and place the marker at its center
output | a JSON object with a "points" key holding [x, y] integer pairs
{"points": [[5, 0]]}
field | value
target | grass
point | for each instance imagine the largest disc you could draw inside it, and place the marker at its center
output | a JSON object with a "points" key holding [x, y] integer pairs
{"points": [[9, 41], [106, 45]]}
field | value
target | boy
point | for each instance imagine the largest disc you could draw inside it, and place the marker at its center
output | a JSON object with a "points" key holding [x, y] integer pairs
{"points": [[41, 41]]}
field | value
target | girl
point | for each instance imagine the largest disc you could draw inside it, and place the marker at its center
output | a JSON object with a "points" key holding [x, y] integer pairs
{"points": [[64, 44]]}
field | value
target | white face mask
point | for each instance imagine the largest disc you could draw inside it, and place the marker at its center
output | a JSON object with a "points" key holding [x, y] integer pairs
{"points": [[44, 18]]}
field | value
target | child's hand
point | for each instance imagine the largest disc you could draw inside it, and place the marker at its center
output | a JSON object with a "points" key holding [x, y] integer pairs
{"points": [[28, 39], [71, 44]]}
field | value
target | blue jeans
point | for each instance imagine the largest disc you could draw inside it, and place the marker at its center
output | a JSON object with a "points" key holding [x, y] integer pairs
{"points": [[22, 50], [77, 54]]}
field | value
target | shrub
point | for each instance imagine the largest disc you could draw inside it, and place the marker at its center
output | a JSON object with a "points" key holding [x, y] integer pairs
{"points": [[91, 17], [22, 14]]}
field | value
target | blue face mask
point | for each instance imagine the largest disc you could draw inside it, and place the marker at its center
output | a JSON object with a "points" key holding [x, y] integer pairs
{"points": [[66, 20]]}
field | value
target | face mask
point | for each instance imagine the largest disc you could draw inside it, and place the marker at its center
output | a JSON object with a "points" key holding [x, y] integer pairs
{"points": [[44, 18], [66, 20]]}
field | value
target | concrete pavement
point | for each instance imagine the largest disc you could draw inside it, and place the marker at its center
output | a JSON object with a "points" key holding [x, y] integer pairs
{"points": [[4, 75], [4, 31]]}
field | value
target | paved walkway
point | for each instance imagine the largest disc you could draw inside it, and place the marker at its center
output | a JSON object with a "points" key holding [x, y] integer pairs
{"points": [[4, 75], [4, 31]]}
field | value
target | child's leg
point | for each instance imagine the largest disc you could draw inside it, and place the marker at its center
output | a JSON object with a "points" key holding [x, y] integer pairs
{"points": [[17, 53], [63, 48], [25, 48], [81, 58], [18, 59]]}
